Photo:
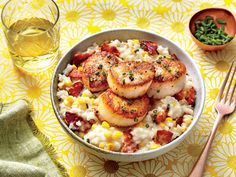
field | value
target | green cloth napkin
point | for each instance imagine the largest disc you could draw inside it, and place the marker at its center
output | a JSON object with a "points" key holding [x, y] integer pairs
{"points": [[21, 153]]}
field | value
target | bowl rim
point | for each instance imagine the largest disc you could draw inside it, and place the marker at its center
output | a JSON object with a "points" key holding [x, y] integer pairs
{"points": [[174, 143], [203, 10]]}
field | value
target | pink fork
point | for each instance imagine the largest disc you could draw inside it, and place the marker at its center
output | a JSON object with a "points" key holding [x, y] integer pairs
{"points": [[224, 105]]}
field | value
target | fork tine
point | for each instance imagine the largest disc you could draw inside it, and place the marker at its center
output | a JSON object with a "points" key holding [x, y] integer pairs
{"points": [[231, 80], [232, 94], [224, 83]]}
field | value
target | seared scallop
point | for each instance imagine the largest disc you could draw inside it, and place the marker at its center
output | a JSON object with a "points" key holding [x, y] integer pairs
{"points": [[130, 79], [169, 77], [122, 112], [94, 74]]}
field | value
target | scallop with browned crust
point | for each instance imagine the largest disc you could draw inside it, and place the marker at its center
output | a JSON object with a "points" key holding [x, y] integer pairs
{"points": [[122, 112], [130, 79], [94, 75], [169, 77]]}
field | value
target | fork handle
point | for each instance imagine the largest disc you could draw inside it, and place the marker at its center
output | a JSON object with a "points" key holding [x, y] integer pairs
{"points": [[198, 169]]}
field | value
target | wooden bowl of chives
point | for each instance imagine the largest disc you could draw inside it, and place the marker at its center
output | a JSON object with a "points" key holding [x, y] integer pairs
{"points": [[216, 14]]}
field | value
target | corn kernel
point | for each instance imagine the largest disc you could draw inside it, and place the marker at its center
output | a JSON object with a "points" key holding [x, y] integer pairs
{"points": [[81, 134], [162, 125], [169, 119], [80, 68], [183, 129], [142, 144], [105, 124], [136, 41], [80, 101], [187, 120], [133, 51], [110, 146], [145, 52], [101, 145], [93, 126], [60, 85], [108, 135], [82, 106], [69, 101], [74, 67], [68, 83], [116, 135], [155, 146]]}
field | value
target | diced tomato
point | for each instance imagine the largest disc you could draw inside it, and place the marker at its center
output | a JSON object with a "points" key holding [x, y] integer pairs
{"points": [[149, 46], [71, 117], [75, 75], [76, 89], [187, 94], [163, 136], [110, 49], [161, 116], [179, 121], [79, 57], [129, 145]]}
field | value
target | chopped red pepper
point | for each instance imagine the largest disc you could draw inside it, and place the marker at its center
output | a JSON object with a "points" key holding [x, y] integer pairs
{"points": [[79, 57], [75, 75], [187, 94], [110, 49], [76, 89], [161, 116], [149, 46], [71, 117], [129, 145], [163, 136]]}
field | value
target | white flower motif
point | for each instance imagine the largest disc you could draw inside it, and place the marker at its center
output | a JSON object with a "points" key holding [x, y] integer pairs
{"points": [[71, 36], [227, 130], [212, 87], [175, 25], [8, 83], [206, 122], [204, 4], [181, 169], [168, 157], [63, 142], [144, 4], [74, 13], [179, 6], [223, 156], [216, 64], [46, 122], [147, 168], [191, 147], [110, 14], [75, 161], [107, 168], [191, 48], [34, 89], [143, 19]]}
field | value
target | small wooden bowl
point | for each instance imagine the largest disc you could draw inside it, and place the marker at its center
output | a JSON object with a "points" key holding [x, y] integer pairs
{"points": [[216, 13]]}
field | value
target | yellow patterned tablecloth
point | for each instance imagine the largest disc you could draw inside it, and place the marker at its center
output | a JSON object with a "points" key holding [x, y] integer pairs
{"points": [[169, 18]]}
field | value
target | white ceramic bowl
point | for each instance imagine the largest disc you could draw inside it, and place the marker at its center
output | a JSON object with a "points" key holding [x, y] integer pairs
{"points": [[123, 35]]}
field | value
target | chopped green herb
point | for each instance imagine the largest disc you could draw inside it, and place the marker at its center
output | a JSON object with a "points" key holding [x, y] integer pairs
{"points": [[131, 78], [88, 140], [158, 61], [123, 74], [221, 21], [87, 105], [123, 108], [100, 66], [123, 81], [103, 73], [135, 119], [94, 96], [147, 125], [108, 56], [158, 91], [136, 50], [97, 73]]}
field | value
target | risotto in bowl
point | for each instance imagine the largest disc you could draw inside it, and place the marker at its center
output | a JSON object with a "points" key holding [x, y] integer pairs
{"points": [[127, 95]]}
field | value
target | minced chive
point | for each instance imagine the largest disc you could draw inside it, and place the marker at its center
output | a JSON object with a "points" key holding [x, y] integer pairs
{"points": [[123, 81], [136, 120], [88, 140], [147, 125], [100, 66]]}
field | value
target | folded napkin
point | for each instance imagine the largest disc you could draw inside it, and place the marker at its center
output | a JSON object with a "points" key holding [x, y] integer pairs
{"points": [[21, 153]]}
